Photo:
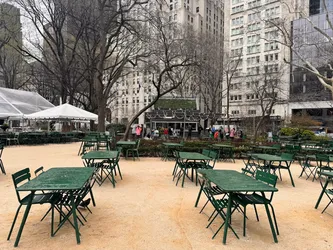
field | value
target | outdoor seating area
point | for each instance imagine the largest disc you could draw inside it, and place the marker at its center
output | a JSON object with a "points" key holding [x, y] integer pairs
{"points": [[161, 207]]}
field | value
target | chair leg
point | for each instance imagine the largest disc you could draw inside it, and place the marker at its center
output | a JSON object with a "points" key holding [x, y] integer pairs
{"points": [[255, 209], [121, 177], [331, 201], [183, 177], [203, 207], [47, 212], [244, 222], [14, 221], [275, 222]]}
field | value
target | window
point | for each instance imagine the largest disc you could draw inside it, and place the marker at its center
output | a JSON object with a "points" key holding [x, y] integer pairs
{"points": [[237, 21], [237, 31], [271, 46], [254, 26], [238, 8], [237, 42], [197, 10], [171, 7], [253, 4], [253, 49], [253, 39], [252, 112]]}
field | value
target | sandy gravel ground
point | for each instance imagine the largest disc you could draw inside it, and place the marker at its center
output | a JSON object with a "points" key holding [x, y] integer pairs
{"points": [[147, 211]]}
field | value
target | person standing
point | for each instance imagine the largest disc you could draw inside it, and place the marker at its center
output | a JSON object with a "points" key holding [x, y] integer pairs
{"points": [[189, 134], [199, 130], [138, 132], [232, 133]]}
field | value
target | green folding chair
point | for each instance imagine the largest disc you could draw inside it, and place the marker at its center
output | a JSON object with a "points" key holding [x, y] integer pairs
{"points": [[257, 199], [134, 151], [42, 198]]}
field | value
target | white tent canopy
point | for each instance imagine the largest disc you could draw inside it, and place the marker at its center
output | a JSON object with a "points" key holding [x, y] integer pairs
{"points": [[17, 103], [63, 112]]}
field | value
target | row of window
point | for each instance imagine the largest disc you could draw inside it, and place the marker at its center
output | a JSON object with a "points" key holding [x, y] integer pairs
{"points": [[252, 49], [249, 112]]}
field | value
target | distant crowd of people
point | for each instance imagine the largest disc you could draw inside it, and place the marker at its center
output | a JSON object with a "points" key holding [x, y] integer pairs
{"points": [[220, 133]]}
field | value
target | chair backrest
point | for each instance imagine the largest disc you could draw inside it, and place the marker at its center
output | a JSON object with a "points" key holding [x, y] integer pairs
{"points": [[322, 160], [287, 156], [278, 146], [39, 171], [20, 176], [247, 171], [213, 154], [268, 178], [206, 152]]}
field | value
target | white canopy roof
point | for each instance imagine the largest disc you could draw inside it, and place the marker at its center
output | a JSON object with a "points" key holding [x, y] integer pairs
{"points": [[16, 103], [63, 112]]}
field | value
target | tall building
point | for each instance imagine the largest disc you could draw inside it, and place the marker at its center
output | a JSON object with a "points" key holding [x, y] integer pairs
{"points": [[10, 36], [135, 90], [307, 95], [252, 39], [317, 6]]}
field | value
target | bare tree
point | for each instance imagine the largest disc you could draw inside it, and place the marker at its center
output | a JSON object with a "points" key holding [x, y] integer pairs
{"points": [[303, 41], [209, 74], [231, 71], [11, 63], [170, 59], [266, 93]]}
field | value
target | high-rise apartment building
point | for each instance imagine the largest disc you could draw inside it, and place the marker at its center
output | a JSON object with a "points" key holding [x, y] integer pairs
{"points": [[317, 6], [252, 39], [135, 90], [10, 37], [307, 95]]}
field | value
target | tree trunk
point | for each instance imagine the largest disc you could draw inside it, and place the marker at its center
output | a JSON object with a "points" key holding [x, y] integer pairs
{"points": [[101, 114], [257, 126]]}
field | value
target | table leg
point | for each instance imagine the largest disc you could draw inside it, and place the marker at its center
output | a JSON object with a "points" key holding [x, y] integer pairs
{"points": [[322, 193], [77, 232], [227, 219], [270, 219], [25, 216], [80, 148], [291, 177], [199, 195]]}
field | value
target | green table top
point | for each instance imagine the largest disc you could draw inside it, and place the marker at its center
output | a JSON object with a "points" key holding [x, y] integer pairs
{"points": [[101, 155], [171, 144], [266, 147], [126, 143], [67, 178], [327, 173], [233, 181], [193, 156], [222, 146], [268, 157]]}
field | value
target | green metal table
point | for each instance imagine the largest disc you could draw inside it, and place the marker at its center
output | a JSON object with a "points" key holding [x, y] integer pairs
{"points": [[126, 143], [87, 142], [266, 149], [268, 161], [66, 179], [195, 158], [232, 182], [226, 151], [92, 156], [170, 147], [329, 178]]}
